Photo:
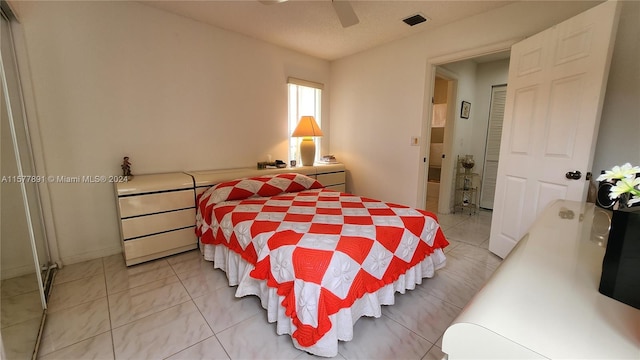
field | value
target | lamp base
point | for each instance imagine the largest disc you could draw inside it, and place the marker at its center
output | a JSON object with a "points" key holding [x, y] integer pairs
{"points": [[307, 151]]}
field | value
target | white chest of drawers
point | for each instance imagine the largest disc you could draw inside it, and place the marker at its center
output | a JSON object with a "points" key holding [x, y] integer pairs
{"points": [[156, 215], [332, 176], [157, 212]]}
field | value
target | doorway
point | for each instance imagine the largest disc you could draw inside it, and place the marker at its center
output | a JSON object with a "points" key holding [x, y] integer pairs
{"points": [[440, 113], [468, 79]]}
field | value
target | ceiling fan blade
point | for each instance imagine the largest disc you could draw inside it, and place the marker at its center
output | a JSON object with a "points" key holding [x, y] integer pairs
{"points": [[271, 2], [345, 13]]}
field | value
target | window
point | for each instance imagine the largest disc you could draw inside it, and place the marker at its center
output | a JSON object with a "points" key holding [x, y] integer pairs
{"points": [[304, 99]]}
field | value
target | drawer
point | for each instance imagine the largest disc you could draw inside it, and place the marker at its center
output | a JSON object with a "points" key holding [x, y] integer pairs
{"points": [[153, 203], [160, 243], [339, 187], [151, 224], [331, 178]]}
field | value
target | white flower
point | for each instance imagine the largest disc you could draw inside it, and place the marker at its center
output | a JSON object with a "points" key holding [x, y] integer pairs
{"points": [[623, 186], [625, 179], [620, 172]]}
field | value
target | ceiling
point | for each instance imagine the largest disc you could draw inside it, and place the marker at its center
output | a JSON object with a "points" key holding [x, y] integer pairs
{"points": [[312, 26]]}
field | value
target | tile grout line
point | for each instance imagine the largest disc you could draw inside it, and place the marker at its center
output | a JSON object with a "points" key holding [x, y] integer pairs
{"points": [[413, 332], [203, 317], [106, 290]]}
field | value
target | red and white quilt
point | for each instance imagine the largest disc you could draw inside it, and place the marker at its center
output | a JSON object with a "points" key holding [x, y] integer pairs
{"points": [[321, 249]]}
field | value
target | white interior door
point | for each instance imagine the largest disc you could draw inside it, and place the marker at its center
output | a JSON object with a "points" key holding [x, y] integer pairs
{"points": [[557, 80]]}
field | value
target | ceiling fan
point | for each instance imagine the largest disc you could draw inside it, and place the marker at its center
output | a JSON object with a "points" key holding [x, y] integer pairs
{"points": [[343, 9]]}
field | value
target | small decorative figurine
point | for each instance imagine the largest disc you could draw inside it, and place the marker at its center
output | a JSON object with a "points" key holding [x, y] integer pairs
{"points": [[126, 167]]}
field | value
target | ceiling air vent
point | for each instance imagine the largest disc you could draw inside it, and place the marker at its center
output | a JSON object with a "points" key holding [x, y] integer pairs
{"points": [[415, 20]]}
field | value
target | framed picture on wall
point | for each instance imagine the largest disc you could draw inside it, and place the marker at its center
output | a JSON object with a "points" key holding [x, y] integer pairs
{"points": [[465, 110]]}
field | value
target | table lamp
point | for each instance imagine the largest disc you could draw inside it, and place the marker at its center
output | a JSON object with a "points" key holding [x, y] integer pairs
{"points": [[307, 128]]}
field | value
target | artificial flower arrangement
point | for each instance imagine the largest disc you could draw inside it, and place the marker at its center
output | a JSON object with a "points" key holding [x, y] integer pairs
{"points": [[626, 181]]}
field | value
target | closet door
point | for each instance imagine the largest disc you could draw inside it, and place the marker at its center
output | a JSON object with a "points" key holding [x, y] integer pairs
{"points": [[492, 150], [22, 175], [24, 254]]}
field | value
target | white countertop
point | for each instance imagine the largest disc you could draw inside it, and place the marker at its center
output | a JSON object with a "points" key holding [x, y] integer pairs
{"points": [[211, 177], [543, 301], [154, 182]]}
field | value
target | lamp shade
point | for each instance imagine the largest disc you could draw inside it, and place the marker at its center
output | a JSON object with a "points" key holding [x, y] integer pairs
{"points": [[307, 126]]}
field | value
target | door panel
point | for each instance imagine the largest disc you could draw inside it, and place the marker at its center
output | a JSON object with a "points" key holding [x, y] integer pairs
{"points": [[557, 80], [520, 132], [574, 43], [531, 59], [547, 192], [514, 188], [563, 120]]}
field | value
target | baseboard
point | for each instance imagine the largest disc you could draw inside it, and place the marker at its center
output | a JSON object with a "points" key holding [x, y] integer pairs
{"points": [[18, 271], [91, 255]]}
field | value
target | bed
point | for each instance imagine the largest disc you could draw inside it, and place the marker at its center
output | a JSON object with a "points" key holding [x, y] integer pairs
{"points": [[318, 259]]}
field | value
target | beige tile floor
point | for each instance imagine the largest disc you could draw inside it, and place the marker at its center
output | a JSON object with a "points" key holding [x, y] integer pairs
{"points": [[181, 308], [21, 315]]}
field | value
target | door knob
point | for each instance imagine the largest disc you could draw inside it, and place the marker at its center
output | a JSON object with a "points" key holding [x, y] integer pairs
{"points": [[573, 175]]}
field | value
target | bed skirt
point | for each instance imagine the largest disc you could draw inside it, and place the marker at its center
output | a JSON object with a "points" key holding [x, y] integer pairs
{"points": [[238, 270]]}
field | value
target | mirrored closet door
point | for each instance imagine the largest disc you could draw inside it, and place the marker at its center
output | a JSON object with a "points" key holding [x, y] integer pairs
{"points": [[24, 257]]}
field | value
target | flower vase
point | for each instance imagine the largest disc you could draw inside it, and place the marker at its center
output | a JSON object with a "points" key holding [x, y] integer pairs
{"points": [[468, 163], [620, 277], [623, 201]]}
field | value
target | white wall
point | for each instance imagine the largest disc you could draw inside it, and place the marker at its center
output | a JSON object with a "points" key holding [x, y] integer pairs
{"points": [[379, 97], [120, 78], [466, 74], [619, 136]]}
